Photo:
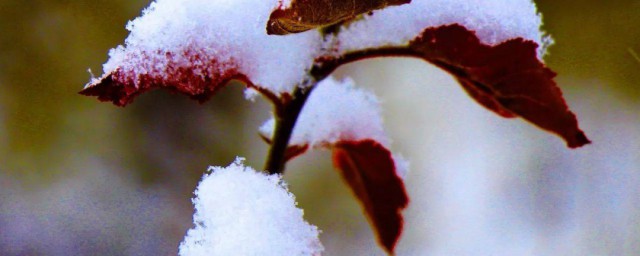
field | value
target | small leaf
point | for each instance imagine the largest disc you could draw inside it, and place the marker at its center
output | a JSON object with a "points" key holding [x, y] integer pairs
{"points": [[292, 151], [370, 171], [304, 15]]}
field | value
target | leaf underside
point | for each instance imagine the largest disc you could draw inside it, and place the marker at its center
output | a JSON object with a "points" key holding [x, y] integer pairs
{"points": [[369, 170], [304, 15]]}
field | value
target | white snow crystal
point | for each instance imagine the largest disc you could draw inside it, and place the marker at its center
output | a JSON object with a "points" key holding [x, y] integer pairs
{"points": [[494, 21], [336, 111], [170, 33], [243, 212]]}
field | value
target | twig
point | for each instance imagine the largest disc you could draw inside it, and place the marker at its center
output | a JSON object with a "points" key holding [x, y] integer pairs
{"points": [[286, 119]]}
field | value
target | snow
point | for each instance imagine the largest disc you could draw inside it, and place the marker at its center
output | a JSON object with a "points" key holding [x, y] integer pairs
{"points": [[336, 111], [243, 212], [285, 4], [214, 37], [193, 34], [494, 21]]}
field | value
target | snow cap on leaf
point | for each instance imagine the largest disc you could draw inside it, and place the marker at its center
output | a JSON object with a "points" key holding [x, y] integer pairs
{"points": [[196, 46], [493, 48], [493, 21]]}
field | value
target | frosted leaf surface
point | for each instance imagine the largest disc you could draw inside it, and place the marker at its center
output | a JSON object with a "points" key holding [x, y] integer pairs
{"points": [[494, 22], [210, 37], [336, 111], [243, 212]]}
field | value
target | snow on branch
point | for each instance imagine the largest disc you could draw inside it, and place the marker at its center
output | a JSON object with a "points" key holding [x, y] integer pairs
{"points": [[335, 111]]}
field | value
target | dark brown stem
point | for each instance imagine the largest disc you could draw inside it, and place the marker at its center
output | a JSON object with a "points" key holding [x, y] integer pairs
{"points": [[326, 66], [286, 116]]}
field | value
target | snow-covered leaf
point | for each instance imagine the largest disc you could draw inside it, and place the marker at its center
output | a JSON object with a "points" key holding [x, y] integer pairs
{"points": [[493, 48], [196, 46], [507, 78]]}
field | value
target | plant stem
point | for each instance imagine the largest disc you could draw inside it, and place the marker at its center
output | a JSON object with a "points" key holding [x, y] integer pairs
{"points": [[286, 116], [287, 111]]}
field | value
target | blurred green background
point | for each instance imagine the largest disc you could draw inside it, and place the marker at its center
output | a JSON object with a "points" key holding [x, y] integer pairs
{"points": [[148, 157]]}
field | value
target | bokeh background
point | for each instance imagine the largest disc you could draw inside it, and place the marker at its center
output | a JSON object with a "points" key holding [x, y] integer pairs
{"points": [[80, 177]]}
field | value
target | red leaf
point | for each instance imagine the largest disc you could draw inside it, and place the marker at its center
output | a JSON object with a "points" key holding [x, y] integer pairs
{"points": [[304, 15], [370, 171], [122, 86], [506, 78]]}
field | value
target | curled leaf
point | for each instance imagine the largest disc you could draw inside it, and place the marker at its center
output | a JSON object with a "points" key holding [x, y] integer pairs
{"points": [[369, 170], [304, 15]]}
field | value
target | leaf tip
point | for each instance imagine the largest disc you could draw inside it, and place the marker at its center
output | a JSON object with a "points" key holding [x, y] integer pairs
{"points": [[369, 170], [107, 89], [579, 139]]}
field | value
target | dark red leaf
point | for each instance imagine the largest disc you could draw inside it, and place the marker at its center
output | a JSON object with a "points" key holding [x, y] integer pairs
{"points": [[122, 86], [370, 171], [507, 78], [294, 151], [304, 15]]}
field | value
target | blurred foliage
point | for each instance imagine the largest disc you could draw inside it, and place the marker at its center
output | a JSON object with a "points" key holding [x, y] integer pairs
{"points": [[596, 40]]}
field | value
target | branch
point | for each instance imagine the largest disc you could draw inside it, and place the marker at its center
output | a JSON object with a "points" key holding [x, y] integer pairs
{"points": [[286, 116]]}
